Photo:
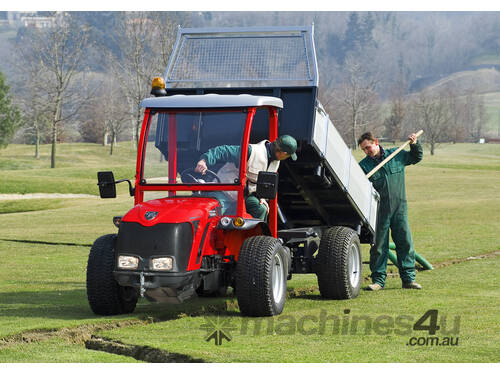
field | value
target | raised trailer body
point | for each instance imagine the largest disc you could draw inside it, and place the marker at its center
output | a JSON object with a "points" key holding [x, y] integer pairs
{"points": [[325, 186]]}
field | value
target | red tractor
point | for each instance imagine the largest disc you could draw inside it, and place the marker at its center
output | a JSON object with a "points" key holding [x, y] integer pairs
{"points": [[189, 234]]}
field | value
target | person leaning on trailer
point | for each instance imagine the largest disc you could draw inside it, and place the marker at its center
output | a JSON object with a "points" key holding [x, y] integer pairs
{"points": [[262, 156], [389, 181]]}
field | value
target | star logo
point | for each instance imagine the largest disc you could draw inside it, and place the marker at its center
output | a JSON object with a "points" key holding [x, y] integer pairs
{"points": [[150, 215], [218, 329]]}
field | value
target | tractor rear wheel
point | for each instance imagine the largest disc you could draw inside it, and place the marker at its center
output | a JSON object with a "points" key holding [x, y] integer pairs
{"points": [[339, 264], [105, 295], [261, 275]]}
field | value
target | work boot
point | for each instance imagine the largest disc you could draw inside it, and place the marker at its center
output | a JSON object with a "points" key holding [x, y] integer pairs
{"points": [[412, 285], [374, 287]]}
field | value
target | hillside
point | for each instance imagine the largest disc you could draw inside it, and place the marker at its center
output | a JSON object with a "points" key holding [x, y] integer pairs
{"points": [[483, 82], [479, 81]]}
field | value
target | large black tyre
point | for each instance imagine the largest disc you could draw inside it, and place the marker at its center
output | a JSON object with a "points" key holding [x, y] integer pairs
{"points": [[261, 275], [339, 264], [105, 295]]}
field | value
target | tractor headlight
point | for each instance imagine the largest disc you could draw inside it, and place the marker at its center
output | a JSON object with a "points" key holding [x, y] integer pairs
{"points": [[128, 262], [225, 221], [161, 264]]}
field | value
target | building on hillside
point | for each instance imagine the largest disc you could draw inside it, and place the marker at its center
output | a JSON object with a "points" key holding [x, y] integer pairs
{"points": [[29, 19], [39, 22]]}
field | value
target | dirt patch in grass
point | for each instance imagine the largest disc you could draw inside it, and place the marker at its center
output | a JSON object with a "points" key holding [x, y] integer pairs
{"points": [[445, 263], [77, 335], [468, 259], [139, 352], [87, 335]]}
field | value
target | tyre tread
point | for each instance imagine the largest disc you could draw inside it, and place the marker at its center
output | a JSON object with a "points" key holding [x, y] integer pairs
{"points": [[333, 275], [253, 277], [103, 291]]}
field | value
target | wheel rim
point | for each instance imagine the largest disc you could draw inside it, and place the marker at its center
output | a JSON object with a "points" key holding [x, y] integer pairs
{"points": [[354, 267], [277, 277]]}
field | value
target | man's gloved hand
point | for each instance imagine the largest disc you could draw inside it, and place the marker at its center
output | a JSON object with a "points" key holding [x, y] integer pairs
{"points": [[201, 167]]}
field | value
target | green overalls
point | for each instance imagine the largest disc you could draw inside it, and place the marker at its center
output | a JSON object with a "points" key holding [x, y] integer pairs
{"points": [[231, 154], [389, 181]]}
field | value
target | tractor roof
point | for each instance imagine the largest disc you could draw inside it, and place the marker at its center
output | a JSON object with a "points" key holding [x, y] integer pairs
{"points": [[211, 101]]}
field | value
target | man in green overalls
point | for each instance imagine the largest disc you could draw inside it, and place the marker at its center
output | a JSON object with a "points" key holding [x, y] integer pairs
{"points": [[389, 181]]}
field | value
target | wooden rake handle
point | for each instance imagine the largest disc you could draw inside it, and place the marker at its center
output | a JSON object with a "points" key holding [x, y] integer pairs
{"points": [[386, 160]]}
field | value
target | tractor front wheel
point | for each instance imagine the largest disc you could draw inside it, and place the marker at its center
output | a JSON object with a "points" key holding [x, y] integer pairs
{"points": [[105, 295], [261, 275]]}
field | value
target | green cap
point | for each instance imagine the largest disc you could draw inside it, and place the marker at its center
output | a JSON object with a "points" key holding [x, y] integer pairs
{"points": [[288, 144]]}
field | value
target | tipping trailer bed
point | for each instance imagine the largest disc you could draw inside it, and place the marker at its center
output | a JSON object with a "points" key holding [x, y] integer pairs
{"points": [[325, 186]]}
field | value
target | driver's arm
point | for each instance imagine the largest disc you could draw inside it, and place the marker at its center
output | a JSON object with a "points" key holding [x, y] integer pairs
{"points": [[220, 154]]}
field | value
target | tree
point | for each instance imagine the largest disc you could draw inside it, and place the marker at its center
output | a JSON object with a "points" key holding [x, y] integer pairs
{"points": [[91, 119], [36, 118], [393, 123], [59, 50], [36, 128], [145, 41], [357, 102], [475, 116], [353, 33], [336, 48], [457, 129], [431, 113], [9, 114], [115, 115], [366, 28]]}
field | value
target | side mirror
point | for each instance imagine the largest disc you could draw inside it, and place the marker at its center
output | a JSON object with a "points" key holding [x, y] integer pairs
{"points": [[267, 185], [106, 183]]}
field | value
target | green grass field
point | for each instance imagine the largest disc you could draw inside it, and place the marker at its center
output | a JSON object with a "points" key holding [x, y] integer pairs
{"points": [[454, 205]]}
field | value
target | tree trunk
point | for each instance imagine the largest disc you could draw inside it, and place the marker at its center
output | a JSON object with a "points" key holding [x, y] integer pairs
{"points": [[432, 148], [37, 145], [112, 143], [137, 128], [354, 138], [54, 132], [37, 141], [53, 150]]}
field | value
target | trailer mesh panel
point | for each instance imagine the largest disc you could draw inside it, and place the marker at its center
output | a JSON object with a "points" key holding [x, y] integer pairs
{"points": [[251, 59]]}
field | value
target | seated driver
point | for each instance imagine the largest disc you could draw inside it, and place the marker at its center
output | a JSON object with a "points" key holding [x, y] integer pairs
{"points": [[262, 156]]}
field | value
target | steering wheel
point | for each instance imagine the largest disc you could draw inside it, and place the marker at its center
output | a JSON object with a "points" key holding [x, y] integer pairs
{"points": [[188, 176]]}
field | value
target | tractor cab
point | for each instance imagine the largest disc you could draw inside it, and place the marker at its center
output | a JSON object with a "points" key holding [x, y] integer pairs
{"points": [[178, 130]]}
